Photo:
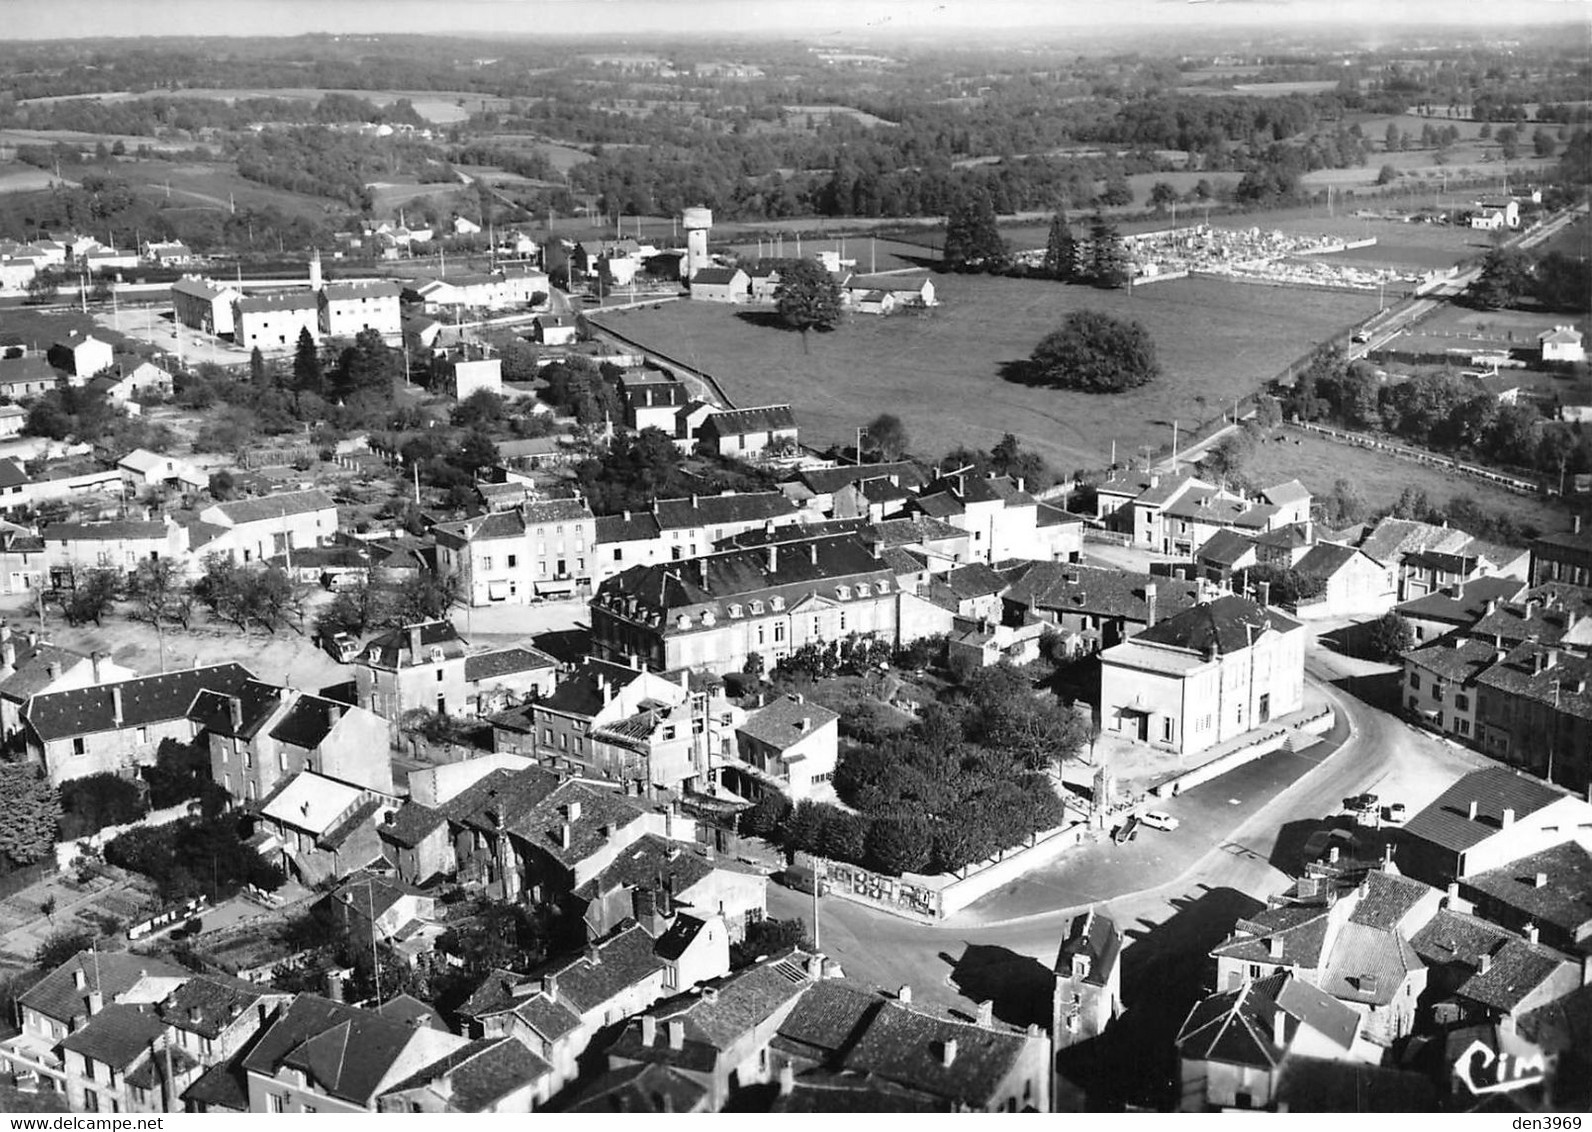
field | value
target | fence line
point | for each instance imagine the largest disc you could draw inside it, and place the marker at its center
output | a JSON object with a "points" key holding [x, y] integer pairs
{"points": [[1421, 456]]}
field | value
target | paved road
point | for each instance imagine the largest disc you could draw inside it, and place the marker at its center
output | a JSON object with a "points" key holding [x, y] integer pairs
{"points": [[1174, 900]]}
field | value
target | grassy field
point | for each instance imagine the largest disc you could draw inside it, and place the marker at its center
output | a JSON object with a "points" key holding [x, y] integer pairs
{"points": [[1575, 239], [439, 106], [19, 177], [1381, 479], [940, 372]]}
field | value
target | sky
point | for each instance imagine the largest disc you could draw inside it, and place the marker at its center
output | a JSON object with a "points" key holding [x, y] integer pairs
{"points": [[805, 19]]}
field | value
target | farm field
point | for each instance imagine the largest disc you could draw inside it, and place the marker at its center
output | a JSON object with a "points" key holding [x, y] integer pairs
{"points": [[392, 195], [940, 371], [210, 185], [20, 177], [1575, 239], [15, 137], [439, 106], [871, 255], [1516, 328], [1381, 479]]}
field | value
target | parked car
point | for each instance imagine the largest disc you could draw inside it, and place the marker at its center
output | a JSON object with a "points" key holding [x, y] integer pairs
{"points": [[1394, 814], [1127, 831], [1360, 803], [1159, 819], [343, 646], [800, 877]]}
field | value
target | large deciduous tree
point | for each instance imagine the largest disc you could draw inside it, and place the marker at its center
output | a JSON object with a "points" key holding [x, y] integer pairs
{"points": [[1505, 277], [807, 298], [886, 436], [1096, 353]]}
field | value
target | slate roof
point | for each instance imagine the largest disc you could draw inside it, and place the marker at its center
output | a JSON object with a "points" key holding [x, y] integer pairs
{"points": [[1237, 1026], [1310, 1084], [1446, 822], [580, 693], [1454, 659], [1222, 624], [1093, 934], [1565, 901], [1225, 548], [1325, 559], [118, 1035], [268, 507], [394, 645], [974, 580], [716, 276], [938, 504], [1100, 591], [145, 700], [480, 1073], [212, 711], [779, 723], [541, 824], [826, 1022], [905, 1046], [666, 590], [760, 418], [644, 1088], [503, 662], [223, 1085], [1458, 937], [679, 937], [1289, 491]]}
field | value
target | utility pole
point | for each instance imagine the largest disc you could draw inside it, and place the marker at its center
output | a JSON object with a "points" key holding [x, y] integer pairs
{"points": [[818, 880], [1174, 447]]}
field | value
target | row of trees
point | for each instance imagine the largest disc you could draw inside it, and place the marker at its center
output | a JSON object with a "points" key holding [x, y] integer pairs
{"points": [[1557, 280], [1101, 260]]}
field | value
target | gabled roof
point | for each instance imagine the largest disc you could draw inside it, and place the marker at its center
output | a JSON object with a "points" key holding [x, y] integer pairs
{"points": [[1458, 937], [393, 647], [1229, 624], [739, 422], [1238, 1027], [1386, 898], [631, 526], [207, 1004], [887, 282], [268, 507], [1282, 494], [716, 276], [542, 824], [786, 721], [31, 673], [505, 662], [29, 368], [647, 1087], [1563, 899], [715, 510], [1514, 971], [112, 973], [310, 802], [1467, 605], [479, 1074], [145, 700], [411, 824], [645, 863], [288, 301], [118, 1035], [375, 289], [1454, 658], [974, 580], [826, 481], [1095, 936], [1325, 559], [826, 1022], [1073, 588], [259, 701], [1447, 821], [907, 1046], [1368, 964], [1225, 548], [1394, 538]]}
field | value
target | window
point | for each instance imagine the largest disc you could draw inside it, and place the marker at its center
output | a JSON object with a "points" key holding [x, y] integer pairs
{"points": [[143, 735], [1415, 703], [486, 562], [735, 611], [281, 760], [884, 586], [619, 555], [1461, 702], [1464, 726], [276, 1102], [757, 608], [78, 746], [563, 741], [779, 632], [843, 592], [1415, 681], [547, 736], [514, 560], [439, 676], [1167, 726], [863, 589], [668, 733]]}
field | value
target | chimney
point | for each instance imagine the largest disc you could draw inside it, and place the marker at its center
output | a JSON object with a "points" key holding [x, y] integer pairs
{"points": [[1263, 592], [702, 572], [812, 550], [676, 1033], [566, 835], [815, 967], [1531, 932], [96, 1002], [54, 669], [594, 955], [1368, 984], [1279, 1027], [1332, 855], [1540, 881], [550, 987], [649, 1029], [1274, 946], [1486, 962], [1149, 602], [8, 654], [1507, 819], [787, 1079], [116, 704], [1452, 898], [235, 710], [1471, 812], [986, 1012], [79, 978], [805, 724], [1586, 970], [773, 559], [334, 986], [905, 993], [948, 1052], [414, 644], [572, 811]]}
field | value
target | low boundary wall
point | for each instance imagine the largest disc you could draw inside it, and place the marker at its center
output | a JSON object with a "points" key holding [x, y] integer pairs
{"points": [[1317, 724]]}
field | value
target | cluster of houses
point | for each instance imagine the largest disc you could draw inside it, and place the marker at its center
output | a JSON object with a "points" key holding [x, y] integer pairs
{"points": [[1396, 974], [879, 293], [20, 262]]}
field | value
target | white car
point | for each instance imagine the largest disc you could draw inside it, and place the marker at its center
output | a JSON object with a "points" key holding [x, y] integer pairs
{"points": [[1156, 819]]}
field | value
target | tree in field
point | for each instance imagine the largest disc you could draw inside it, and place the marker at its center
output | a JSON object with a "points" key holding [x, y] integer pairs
{"points": [[42, 287], [807, 298], [93, 594], [1162, 196], [972, 237], [30, 812], [1344, 504], [1108, 258], [1095, 353], [368, 366], [1388, 636], [424, 597], [1061, 251], [307, 375], [1386, 175], [61, 945], [352, 611], [1505, 276], [160, 596], [886, 436]]}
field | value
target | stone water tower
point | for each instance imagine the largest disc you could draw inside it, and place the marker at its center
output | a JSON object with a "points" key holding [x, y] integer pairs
{"points": [[697, 222]]}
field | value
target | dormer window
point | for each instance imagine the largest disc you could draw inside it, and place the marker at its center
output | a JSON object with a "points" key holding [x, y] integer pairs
{"points": [[436, 654], [883, 585], [735, 611], [708, 618], [375, 654], [682, 622], [843, 592], [757, 608], [863, 589], [777, 604]]}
